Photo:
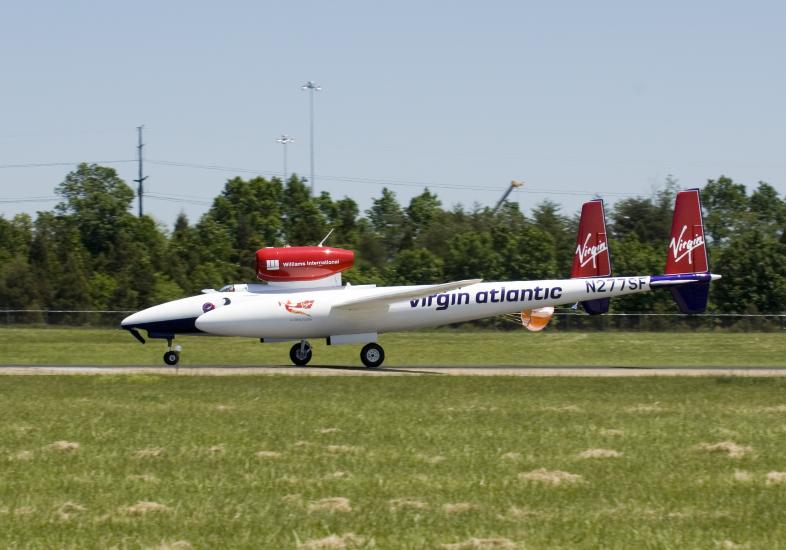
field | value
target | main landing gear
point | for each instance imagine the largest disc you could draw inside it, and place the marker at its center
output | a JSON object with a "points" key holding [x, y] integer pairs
{"points": [[372, 355], [300, 354], [172, 355]]}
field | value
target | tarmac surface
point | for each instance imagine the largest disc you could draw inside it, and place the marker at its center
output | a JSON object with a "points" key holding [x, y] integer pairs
{"points": [[439, 370]]}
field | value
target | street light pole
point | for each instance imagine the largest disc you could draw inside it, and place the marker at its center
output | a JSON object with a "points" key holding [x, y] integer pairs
{"points": [[285, 140], [312, 87]]}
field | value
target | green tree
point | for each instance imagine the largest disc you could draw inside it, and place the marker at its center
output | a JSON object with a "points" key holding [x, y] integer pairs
{"points": [[768, 210], [388, 221], [98, 201], [630, 256], [423, 210], [44, 257], [725, 204], [417, 266], [182, 253], [304, 222], [753, 265], [562, 230], [345, 222], [471, 255], [71, 288]]}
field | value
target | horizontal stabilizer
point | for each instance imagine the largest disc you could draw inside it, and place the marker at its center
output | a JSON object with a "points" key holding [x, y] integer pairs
{"points": [[397, 295]]}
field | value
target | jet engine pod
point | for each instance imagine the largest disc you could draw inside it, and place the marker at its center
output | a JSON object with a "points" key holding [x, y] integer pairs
{"points": [[302, 263], [536, 319]]}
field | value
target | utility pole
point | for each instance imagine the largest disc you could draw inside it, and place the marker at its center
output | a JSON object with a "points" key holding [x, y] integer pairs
{"points": [[513, 185], [140, 188], [285, 140], [312, 87]]}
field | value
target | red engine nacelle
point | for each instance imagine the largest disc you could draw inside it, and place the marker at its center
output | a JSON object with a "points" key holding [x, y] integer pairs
{"points": [[302, 263]]}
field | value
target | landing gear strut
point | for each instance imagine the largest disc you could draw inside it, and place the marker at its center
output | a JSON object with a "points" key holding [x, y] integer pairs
{"points": [[172, 355], [372, 355], [300, 354]]}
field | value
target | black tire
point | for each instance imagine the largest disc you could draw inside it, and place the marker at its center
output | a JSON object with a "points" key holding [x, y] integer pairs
{"points": [[372, 355], [301, 360], [171, 358]]}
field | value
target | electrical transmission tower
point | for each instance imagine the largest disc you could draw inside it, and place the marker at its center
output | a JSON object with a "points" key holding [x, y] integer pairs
{"points": [[140, 188]]}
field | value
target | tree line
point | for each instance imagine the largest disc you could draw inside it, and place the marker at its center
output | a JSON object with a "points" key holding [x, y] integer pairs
{"points": [[91, 252]]}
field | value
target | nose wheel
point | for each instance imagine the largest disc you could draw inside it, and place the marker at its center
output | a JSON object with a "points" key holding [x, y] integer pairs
{"points": [[300, 354], [372, 355], [172, 355]]}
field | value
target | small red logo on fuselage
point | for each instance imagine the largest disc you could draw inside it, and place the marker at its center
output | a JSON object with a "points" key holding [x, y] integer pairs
{"points": [[297, 308]]}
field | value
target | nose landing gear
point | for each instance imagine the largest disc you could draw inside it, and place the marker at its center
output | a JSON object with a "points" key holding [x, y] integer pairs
{"points": [[172, 355]]}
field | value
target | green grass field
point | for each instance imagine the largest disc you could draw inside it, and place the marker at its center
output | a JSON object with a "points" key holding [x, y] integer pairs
{"points": [[31, 346], [277, 462]]}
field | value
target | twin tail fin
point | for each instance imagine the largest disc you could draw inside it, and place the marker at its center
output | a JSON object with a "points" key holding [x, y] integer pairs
{"points": [[592, 257]]}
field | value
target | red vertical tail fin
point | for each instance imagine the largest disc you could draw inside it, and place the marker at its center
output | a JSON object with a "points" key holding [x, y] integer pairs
{"points": [[592, 258], [687, 250]]}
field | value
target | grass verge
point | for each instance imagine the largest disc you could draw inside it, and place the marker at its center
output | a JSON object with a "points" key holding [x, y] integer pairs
{"points": [[281, 462], [37, 346]]}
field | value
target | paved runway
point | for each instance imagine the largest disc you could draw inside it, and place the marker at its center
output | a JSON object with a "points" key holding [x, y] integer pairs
{"points": [[440, 370]]}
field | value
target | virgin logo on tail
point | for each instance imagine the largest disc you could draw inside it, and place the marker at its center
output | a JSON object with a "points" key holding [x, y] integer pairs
{"points": [[592, 258], [680, 247], [588, 253], [687, 246]]}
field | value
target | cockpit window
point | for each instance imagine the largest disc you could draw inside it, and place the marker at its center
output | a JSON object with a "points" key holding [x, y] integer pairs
{"points": [[227, 288]]}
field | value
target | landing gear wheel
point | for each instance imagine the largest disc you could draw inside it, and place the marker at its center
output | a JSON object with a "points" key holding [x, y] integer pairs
{"points": [[300, 354], [372, 355], [171, 357]]}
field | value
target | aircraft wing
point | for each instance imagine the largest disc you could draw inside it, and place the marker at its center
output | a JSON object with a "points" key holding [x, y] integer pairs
{"points": [[395, 295]]}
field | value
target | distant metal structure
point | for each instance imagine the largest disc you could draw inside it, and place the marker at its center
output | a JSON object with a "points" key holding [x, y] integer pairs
{"points": [[513, 185], [140, 188], [285, 140], [312, 87]]}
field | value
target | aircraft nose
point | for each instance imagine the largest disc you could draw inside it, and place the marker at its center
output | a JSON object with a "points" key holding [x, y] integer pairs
{"points": [[130, 320], [139, 318]]}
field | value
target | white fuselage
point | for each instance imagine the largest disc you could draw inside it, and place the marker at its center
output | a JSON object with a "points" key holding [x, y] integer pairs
{"points": [[311, 313]]}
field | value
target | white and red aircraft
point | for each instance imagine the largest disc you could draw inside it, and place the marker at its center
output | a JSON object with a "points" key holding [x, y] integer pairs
{"points": [[304, 297]]}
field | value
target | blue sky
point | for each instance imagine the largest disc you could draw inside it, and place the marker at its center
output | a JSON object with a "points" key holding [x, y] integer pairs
{"points": [[575, 98]]}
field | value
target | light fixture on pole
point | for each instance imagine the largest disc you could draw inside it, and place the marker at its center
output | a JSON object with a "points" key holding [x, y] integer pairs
{"points": [[285, 140], [312, 87]]}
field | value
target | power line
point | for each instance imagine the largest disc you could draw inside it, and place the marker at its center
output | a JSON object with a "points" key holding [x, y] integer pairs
{"points": [[387, 182], [47, 164], [180, 198], [28, 199], [345, 179]]}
